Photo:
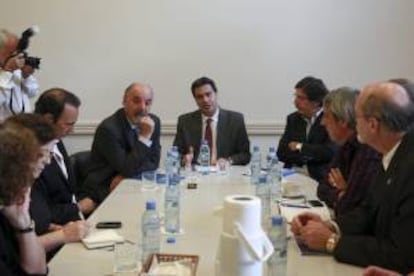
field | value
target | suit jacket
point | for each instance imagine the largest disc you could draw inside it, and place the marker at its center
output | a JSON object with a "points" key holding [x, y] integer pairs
{"points": [[380, 231], [117, 151], [317, 150], [52, 194], [232, 140]]}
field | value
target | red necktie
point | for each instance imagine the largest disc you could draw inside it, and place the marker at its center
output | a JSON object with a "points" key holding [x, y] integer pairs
{"points": [[208, 135]]}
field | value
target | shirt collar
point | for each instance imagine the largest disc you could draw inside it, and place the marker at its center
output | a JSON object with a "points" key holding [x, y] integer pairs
{"points": [[386, 159], [214, 117]]}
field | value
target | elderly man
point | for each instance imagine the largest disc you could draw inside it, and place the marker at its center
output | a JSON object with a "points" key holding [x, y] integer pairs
{"points": [[17, 83], [223, 129], [125, 144], [305, 144], [354, 164], [379, 231]]}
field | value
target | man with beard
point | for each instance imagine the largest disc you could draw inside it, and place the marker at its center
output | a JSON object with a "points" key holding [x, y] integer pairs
{"points": [[125, 144], [224, 130]]}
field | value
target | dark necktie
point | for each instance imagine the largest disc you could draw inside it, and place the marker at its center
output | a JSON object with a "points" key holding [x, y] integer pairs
{"points": [[208, 135]]}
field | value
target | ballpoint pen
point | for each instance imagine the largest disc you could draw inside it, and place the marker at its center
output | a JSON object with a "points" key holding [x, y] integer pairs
{"points": [[294, 205]]}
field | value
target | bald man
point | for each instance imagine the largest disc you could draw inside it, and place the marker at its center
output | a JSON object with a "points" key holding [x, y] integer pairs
{"points": [[125, 144], [378, 232]]}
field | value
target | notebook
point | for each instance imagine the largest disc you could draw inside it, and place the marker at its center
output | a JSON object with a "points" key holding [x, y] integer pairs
{"points": [[102, 238]]}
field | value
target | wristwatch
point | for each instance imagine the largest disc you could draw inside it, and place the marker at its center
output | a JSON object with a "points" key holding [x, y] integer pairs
{"points": [[331, 242], [28, 229]]}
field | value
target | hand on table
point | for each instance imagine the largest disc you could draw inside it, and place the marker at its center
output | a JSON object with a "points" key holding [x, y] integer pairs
{"points": [[302, 220], [315, 234], [74, 231]]}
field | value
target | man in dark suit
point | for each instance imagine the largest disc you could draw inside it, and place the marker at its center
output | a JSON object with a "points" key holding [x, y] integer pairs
{"points": [[228, 139], [305, 144], [379, 231], [125, 144], [57, 182]]}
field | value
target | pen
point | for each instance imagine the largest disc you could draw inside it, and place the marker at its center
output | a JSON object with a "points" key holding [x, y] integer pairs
{"points": [[81, 216], [294, 205]]}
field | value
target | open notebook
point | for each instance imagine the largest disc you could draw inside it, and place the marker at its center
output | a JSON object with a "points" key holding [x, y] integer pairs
{"points": [[102, 238]]}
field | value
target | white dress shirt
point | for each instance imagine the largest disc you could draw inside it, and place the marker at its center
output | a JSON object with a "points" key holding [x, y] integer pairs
{"points": [[15, 93]]}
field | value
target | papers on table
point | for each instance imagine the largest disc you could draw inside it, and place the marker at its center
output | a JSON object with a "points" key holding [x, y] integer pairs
{"points": [[290, 210], [102, 238]]}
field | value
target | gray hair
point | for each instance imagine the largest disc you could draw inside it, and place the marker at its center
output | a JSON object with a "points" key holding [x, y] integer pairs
{"points": [[340, 102]]}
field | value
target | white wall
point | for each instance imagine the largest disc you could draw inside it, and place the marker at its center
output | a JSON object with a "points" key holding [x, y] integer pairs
{"points": [[255, 50]]}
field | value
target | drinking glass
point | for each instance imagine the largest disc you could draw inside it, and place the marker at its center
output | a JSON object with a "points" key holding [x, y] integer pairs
{"points": [[125, 257], [148, 180]]}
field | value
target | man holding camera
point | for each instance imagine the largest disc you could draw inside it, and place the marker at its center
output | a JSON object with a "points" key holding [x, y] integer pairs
{"points": [[17, 83]]}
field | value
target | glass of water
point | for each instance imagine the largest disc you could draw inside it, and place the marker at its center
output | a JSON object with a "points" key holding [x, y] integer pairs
{"points": [[148, 180], [126, 258]]}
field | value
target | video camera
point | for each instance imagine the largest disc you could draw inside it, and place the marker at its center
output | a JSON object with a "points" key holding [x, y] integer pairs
{"points": [[24, 44]]}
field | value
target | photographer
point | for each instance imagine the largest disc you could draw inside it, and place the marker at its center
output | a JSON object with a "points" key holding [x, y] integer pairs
{"points": [[17, 83]]}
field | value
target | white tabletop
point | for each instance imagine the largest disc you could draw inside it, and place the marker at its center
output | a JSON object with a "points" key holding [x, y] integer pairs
{"points": [[201, 228]]}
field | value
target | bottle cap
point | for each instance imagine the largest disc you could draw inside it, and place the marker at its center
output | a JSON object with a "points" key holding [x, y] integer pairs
{"points": [[150, 205], [171, 240], [277, 220], [263, 179]]}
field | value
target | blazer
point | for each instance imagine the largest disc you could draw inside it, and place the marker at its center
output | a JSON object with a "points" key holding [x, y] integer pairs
{"points": [[317, 150], [232, 140], [52, 194], [117, 151], [380, 231]]}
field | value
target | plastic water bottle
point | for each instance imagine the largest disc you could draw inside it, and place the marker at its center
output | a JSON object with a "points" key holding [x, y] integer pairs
{"points": [[204, 157], [255, 165], [168, 163], [275, 174], [175, 160], [263, 192], [172, 204], [271, 154], [150, 223], [277, 235]]}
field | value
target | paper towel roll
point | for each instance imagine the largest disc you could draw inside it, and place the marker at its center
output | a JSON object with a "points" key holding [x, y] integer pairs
{"points": [[244, 209]]}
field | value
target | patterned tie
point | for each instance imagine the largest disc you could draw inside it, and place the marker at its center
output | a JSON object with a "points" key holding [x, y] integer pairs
{"points": [[208, 135]]}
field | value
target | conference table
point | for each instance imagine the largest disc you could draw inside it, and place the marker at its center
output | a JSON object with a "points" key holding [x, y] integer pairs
{"points": [[200, 221]]}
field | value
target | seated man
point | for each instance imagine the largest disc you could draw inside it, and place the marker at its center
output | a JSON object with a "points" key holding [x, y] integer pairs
{"points": [[223, 129], [57, 183], [354, 164], [125, 144], [305, 144], [377, 232]]}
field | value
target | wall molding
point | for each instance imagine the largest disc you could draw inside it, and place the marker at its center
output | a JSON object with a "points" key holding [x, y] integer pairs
{"points": [[168, 128]]}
